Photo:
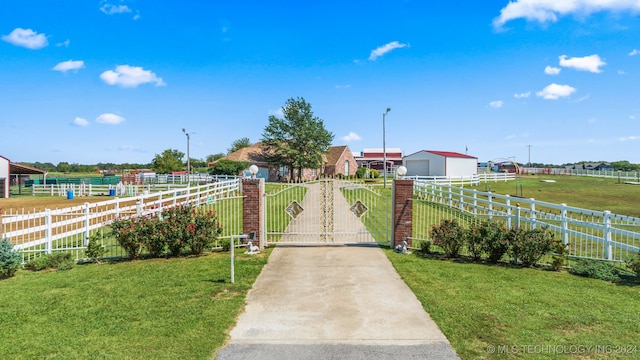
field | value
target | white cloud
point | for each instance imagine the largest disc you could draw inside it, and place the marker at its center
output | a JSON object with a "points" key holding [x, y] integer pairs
{"points": [[632, 117], [127, 147], [69, 65], [621, 72], [381, 50], [137, 15], [109, 119], [64, 43], [78, 121], [522, 95], [351, 137], [130, 76], [591, 63], [629, 138], [544, 11], [26, 38], [592, 121], [342, 86], [555, 91], [111, 9], [511, 136], [550, 70], [497, 104], [584, 98], [277, 113], [634, 52]]}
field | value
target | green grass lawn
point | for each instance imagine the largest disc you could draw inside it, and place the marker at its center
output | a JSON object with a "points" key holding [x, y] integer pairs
{"points": [[578, 191], [477, 306], [178, 308]]}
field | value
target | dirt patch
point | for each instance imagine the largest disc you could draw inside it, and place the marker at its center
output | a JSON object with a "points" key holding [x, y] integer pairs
{"points": [[32, 204]]}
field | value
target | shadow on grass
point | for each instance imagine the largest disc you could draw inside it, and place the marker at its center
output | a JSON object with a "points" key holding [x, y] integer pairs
{"points": [[628, 280]]}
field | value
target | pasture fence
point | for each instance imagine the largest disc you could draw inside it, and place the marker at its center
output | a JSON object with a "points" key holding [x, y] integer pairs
{"points": [[69, 229], [608, 174], [470, 180], [586, 233]]}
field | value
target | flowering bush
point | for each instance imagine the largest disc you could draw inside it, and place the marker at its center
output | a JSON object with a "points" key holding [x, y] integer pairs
{"points": [[449, 236], [177, 229], [528, 246], [474, 238], [495, 242]]}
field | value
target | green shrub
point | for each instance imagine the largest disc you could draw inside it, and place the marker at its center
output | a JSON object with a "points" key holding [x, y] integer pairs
{"points": [[128, 235], [474, 239], [424, 246], [634, 265], [94, 250], [202, 230], [10, 260], [449, 236], [59, 260], [495, 241], [560, 251], [528, 246], [596, 269]]}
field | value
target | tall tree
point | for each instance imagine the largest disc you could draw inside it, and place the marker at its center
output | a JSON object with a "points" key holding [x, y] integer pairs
{"points": [[298, 140], [213, 157], [170, 160], [239, 144]]}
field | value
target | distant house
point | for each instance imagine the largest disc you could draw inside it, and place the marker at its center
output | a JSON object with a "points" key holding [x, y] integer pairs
{"points": [[440, 163], [595, 166], [337, 161], [373, 158]]}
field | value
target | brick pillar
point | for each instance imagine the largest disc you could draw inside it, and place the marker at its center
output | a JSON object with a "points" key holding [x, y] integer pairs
{"points": [[251, 209], [402, 212]]}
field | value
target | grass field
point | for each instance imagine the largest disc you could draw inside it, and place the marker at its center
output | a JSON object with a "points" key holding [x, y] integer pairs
{"points": [[178, 308], [577, 191], [478, 306]]}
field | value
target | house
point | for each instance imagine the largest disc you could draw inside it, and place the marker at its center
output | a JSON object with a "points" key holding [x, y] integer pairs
{"points": [[594, 166], [440, 163], [18, 171], [373, 158], [337, 161]]}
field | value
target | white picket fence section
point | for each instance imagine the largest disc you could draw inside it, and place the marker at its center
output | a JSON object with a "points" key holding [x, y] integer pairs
{"points": [[69, 228], [101, 190], [588, 233], [612, 174], [470, 180]]}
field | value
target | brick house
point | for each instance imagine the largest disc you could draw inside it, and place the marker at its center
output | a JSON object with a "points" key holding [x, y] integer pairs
{"points": [[337, 160]]}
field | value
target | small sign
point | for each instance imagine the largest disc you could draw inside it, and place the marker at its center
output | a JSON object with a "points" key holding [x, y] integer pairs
{"points": [[359, 208], [210, 200], [294, 209]]}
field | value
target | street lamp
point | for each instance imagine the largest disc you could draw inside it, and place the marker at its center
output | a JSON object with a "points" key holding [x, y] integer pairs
{"points": [[188, 160], [384, 149], [253, 170]]}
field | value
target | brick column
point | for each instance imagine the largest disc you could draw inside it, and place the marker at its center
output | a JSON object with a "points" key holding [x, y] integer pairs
{"points": [[251, 209], [402, 212]]}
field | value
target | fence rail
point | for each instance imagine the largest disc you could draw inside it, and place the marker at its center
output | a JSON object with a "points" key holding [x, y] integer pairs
{"points": [[587, 233], [68, 229], [609, 174], [463, 180]]}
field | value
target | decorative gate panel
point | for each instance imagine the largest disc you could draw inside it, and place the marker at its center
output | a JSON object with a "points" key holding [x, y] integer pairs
{"points": [[326, 212]]}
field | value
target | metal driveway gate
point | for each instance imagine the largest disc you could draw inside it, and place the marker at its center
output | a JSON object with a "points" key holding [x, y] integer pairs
{"points": [[327, 211]]}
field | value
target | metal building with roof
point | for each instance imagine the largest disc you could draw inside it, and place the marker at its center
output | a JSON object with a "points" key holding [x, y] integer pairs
{"points": [[440, 163], [10, 169]]}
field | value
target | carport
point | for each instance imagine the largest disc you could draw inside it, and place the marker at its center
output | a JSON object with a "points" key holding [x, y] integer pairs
{"points": [[16, 170]]}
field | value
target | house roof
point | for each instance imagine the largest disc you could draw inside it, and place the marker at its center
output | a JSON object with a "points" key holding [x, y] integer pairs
{"points": [[447, 154], [21, 169], [333, 154], [254, 154]]}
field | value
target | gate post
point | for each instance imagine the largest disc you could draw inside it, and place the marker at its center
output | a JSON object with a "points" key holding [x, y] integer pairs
{"points": [[252, 209], [402, 212]]}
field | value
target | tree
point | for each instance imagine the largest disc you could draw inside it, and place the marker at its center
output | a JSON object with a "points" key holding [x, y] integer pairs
{"points": [[228, 167], [170, 160], [213, 157], [239, 144], [299, 140]]}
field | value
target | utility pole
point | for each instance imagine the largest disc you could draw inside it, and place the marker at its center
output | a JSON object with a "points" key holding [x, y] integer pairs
{"points": [[529, 146]]}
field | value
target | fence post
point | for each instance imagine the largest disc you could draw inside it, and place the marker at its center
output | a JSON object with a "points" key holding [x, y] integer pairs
{"points": [[117, 208], [86, 223], [563, 218], [509, 213], [607, 235], [475, 202], [402, 230], [517, 215], [489, 197], [461, 199], [139, 205], [47, 230], [532, 216], [252, 209]]}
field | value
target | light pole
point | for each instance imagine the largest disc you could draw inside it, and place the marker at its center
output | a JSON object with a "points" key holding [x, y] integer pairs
{"points": [[384, 149], [188, 160]]}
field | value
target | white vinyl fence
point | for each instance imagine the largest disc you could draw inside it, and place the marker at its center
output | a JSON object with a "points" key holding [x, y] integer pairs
{"points": [[633, 176], [588, 233], [463, 180], [68, 229]]}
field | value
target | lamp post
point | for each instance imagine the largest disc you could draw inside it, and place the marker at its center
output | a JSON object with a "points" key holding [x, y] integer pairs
{"points": [[188, 160], [384, 149], [253, 170]]}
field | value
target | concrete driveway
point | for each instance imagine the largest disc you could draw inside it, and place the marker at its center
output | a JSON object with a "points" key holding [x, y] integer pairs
{"points": [[333, 302]]}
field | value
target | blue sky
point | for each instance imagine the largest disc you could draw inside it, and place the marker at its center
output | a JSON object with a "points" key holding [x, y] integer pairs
{"points": [[116, 81]]}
